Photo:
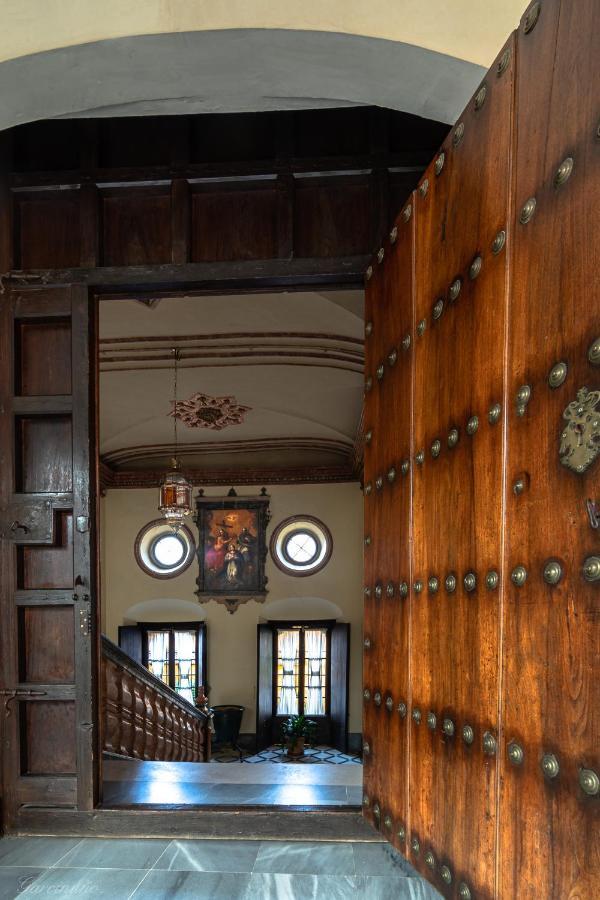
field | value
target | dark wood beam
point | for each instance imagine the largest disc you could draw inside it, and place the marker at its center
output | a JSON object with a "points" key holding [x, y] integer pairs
{"points": [[205, 276], [145, 478]]}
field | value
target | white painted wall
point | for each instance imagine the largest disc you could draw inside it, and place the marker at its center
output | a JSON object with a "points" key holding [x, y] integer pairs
{"points": [[467, 29], [128, 594]]}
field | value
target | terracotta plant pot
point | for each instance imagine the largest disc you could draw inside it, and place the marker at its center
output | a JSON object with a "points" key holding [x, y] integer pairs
{"points": [[295, 747]]}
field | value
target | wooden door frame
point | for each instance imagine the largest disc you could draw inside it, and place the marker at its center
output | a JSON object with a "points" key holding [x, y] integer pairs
{"points": [[99, 294]]}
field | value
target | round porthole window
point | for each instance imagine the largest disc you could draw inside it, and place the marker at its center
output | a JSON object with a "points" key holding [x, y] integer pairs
{"points": [[161, 552], [301, 545]]}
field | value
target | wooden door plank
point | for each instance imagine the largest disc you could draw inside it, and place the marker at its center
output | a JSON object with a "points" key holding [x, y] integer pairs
{"points": [[549, 826]]}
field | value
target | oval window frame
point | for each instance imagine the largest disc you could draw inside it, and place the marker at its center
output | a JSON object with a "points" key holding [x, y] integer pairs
{"points": [[148, 535], [286, 529]]}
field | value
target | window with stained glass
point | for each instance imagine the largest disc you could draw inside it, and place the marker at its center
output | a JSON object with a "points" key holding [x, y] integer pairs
{"points": [[174, 653], [301, 670]]}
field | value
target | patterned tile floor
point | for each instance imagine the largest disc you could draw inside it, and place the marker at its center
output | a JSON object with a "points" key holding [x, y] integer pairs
{"points": [[152, 869], [276, 754]]}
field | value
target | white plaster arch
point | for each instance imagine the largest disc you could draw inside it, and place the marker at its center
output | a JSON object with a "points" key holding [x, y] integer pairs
{"points": [[301, 608], [163, 609], [233, 70]]}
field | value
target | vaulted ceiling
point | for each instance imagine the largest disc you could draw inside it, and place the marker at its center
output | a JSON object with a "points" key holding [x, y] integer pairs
{"points": [[269, 386]]}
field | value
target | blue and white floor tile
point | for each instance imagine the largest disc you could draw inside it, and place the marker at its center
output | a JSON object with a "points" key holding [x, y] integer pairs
{"points": [[276, 754]]}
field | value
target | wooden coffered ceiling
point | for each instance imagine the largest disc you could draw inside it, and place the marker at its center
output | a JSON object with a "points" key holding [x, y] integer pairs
{"points": [[294, 361]]}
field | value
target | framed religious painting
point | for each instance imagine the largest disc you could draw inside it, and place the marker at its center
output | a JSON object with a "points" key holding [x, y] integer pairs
{"points": [[232, 548]]}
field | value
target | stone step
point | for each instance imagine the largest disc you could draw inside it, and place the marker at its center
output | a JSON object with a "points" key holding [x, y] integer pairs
{"points": [[333, 824]]}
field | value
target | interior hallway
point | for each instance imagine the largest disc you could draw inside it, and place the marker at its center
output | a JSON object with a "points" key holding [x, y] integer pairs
{"points": [[222, 870], [134, 782]]}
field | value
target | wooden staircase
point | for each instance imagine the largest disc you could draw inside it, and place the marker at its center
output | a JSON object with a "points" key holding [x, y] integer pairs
{"points": [[143, 718]]}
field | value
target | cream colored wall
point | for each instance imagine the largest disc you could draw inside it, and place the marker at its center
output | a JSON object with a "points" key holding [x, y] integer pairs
{"points": [[232, 637], [472, 30]]}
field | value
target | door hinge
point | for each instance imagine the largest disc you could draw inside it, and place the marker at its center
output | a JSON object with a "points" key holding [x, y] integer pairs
{"points": [[83, 524], [84, 622]]}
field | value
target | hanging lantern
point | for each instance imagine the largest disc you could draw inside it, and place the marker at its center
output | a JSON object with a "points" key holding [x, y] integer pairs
{"points": [[175, 498], [175, 491]]}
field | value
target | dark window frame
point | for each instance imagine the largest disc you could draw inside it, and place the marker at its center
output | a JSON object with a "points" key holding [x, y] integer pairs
{"points": [[201, 648]]}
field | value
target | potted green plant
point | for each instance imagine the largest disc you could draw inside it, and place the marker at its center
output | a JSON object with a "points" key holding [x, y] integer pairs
{"points": [[297, 730]]}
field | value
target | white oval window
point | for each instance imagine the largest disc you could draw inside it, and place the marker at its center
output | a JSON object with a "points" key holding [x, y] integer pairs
{"points": [[161, 552], [301, 545]]}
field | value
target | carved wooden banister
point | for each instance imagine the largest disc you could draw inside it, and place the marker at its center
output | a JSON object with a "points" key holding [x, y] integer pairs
{"points": [[144, 718]]}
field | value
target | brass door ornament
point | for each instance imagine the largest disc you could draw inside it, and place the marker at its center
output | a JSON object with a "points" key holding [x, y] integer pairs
{"points": [[580, 440]]}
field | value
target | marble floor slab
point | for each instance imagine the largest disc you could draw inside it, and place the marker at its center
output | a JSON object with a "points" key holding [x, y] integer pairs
{"points": [[131, 783], [123, 869], [210, 856], [160, 794], [300, 858], [232, 773]]}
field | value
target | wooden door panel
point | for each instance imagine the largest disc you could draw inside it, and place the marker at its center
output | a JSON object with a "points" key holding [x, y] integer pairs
{"points": [[44, 454], [46, 644], [461, 301], [388, 411], [43, 351], [49, 567], [548, 845], [47, 739], [46, 652]]}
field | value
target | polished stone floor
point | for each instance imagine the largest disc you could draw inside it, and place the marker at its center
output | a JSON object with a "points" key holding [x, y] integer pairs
{"points": [[150, 869], [138, 783]]}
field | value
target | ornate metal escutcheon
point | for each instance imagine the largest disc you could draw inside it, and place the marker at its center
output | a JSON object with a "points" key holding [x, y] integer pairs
{"points": [[580, 440]]}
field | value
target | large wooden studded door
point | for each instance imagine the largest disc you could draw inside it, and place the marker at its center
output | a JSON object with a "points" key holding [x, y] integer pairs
{"points": [[550, 789], [47, 523], [482, 487]]}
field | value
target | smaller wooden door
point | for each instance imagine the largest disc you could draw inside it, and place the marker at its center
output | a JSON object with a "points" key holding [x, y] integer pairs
{"points": [[264, 686], [47, 603], [339, 668]]}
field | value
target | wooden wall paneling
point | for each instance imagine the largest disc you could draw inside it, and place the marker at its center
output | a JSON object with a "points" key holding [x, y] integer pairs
{"points": [[90, 214], [236, 220], [181, 220], [332, 216], [80, 199], [136, 226], [462, 204], [51, 145], [143, 140], [47, 229], [6, 202], [232, 138], [551, 697]]}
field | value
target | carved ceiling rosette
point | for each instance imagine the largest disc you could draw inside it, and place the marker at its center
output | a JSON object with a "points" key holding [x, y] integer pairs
{"points": [[203, 411]]}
